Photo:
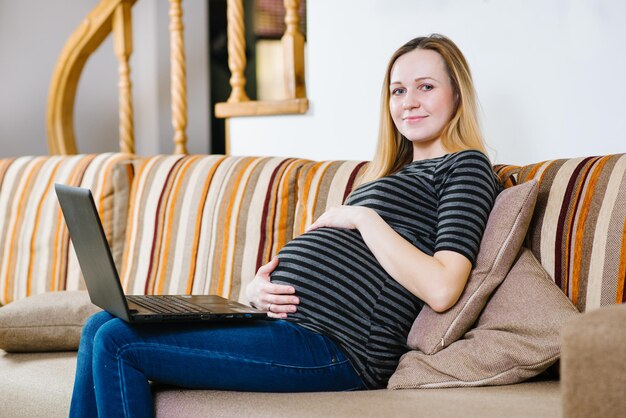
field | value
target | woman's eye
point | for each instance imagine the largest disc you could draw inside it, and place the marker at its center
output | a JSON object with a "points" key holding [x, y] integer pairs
{"points": [[398, 90], [426, 87]]}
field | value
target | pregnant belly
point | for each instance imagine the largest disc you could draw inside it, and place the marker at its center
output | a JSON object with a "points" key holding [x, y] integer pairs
{"points": [[330, 270]]}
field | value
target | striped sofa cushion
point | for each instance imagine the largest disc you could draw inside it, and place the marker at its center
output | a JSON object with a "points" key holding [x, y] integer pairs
{"points": [[36, 253], [204, 224], [579, 228], [322, 185]]}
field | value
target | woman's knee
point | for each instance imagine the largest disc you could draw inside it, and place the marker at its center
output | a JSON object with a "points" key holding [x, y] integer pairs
{"points": [[93, 324], [112, 337]]}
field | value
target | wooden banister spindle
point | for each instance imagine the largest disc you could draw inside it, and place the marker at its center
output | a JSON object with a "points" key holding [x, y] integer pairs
{"points": [[178, 78], [238, 103], [293, 52], [236, 51], [123, 46]]}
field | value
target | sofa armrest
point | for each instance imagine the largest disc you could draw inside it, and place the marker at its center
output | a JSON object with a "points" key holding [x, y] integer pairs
{"points": [[593, 364]]}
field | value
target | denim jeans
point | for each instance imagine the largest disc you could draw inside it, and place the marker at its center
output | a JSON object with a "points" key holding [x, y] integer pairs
{"points": [[117, 360]]}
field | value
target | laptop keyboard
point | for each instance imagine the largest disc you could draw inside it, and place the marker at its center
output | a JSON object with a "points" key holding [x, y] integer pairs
{"points": [[166, 304]]}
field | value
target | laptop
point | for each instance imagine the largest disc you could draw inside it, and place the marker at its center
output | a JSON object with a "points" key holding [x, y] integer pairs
{"points": [[103, 282]]}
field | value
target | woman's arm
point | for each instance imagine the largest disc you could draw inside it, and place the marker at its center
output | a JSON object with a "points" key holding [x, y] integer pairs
{"points": [[438, 280]]}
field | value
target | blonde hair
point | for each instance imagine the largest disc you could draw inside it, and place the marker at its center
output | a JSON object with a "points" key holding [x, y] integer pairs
{"points": [[462, 132]]}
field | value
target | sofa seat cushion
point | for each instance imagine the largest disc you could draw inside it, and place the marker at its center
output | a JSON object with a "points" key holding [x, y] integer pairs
{"points": [[35, 251], [50, 377], [579, 225], [204, 224], [36, 384], [531, 399]]}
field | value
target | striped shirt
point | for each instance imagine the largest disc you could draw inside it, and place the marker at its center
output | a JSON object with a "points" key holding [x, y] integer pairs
{"points": [[436, 204]]}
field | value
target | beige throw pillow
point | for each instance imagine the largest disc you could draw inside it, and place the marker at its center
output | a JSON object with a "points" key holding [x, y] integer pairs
{"points": [[45, 322], [516, 337], [502, 240]]}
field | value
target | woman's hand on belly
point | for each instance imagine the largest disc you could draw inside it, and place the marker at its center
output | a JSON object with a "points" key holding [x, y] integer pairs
{"points": [[276, 299], [345, 217]]}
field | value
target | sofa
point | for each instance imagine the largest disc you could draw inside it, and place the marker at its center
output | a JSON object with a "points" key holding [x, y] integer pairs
{"points": [[181, 224]]}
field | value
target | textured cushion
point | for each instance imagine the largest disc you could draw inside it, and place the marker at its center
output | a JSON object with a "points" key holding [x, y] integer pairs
{"points": [[516, 337], [593, 364], [502, 240], [578, 232], [45, 322], [322, 185], [204, 224], [35, 251]]}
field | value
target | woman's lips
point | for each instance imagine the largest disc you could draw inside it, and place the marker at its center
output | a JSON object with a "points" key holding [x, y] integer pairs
{"points": [[414, 119]]}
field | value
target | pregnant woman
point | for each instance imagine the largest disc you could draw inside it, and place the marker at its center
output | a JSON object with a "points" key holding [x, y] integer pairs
{"points": [[345, 293]]}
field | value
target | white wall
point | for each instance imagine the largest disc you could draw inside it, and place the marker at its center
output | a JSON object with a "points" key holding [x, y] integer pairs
{"points": [[549, 75], [32, 35]]}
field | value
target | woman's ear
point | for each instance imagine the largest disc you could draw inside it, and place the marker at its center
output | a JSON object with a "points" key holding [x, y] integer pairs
{"points": [[457, 96]]}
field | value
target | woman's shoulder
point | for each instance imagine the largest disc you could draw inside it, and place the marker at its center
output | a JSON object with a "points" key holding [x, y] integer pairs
{"points": [[465, 160], [467, 155], [467, 167]]}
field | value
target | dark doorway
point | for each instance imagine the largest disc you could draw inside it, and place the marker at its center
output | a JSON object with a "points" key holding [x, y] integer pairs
{"points": [[218, 66]]}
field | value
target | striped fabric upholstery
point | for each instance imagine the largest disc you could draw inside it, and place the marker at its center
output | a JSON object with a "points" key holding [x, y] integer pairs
{"points": [[36, 253], [322, 185], [578, 231], [204, 224]]}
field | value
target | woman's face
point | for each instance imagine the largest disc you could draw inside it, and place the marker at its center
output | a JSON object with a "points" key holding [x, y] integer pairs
{"points": [[421, 99]]}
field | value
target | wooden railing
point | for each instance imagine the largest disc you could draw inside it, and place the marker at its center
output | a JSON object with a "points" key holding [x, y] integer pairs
{"points": [[106, 16], [115, 16], [238, 103]]}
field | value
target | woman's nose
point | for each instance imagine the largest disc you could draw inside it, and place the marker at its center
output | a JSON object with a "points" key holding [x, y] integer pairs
{"points": [[411, 100]]}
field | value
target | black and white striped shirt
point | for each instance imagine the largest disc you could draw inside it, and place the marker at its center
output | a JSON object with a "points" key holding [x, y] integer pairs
{"points": [[437, 204]]}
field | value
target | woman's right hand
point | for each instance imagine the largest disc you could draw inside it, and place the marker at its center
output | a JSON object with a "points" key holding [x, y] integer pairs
{"points": [[276, 299]]}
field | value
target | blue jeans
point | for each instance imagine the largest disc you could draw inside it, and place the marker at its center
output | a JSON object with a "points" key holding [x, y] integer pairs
{"points": [[117, 360]]}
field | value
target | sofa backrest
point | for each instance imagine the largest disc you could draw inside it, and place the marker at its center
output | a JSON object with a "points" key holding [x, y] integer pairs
{"points": [[35, 251], [322, 185], [578, 231], [204, 224]]}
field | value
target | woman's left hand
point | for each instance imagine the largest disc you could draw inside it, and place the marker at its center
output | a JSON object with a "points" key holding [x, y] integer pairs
{"points": [[276, 299], [346, 217]]}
